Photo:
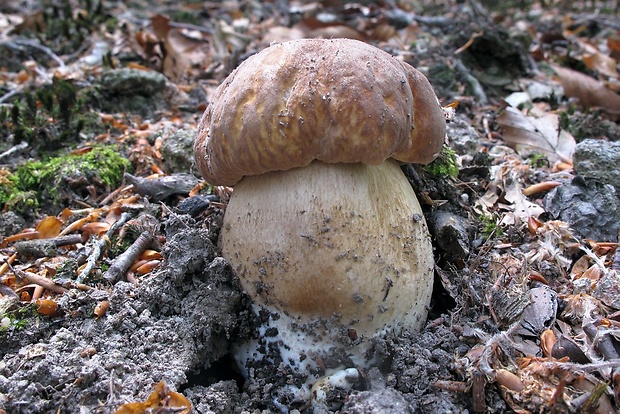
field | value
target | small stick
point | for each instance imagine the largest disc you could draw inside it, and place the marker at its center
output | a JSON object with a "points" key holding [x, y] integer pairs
{"points": [[100, 246], [38, 280], [22, 145], [128, 257], [7, 263], [11, 94], [38, 293], [46, 247], [474, 83], [35, 45], [8, 292], [477, 392]]}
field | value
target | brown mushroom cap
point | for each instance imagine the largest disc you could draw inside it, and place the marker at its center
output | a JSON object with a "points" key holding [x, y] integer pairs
{"points": [[337, 101]]}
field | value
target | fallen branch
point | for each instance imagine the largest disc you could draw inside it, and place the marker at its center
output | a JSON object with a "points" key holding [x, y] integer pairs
{"points": [[19, 43], [8, 292], [128, 257], [38, 280], [22, 145], [473, 82], [100, 247], [46, 247]]}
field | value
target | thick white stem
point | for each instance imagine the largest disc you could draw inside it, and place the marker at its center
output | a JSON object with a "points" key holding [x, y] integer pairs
{"points": [[342, 250]]}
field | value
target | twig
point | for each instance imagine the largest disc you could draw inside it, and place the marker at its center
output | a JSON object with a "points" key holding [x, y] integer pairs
{"points": [[38, 280], [22, 145], [477, 392], [11, 94], [35, 45], [128, 257], [476, 87], [189, 26], [577, 367], [100, 246], [8, 292], [440, 21], [46, 247], [6, 263]]}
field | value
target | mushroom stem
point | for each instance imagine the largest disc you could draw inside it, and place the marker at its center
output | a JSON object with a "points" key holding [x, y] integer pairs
{"points": [[341, 249]]}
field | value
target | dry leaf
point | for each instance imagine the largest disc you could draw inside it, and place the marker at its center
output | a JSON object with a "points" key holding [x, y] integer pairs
{"points": [[522, 208], [49, 227], [601, 63], [174, 64], [161, 397], [226, 40], [506, 180], [613, 43], [528, 134], [47, 307], [590, 92], [279, 34]]}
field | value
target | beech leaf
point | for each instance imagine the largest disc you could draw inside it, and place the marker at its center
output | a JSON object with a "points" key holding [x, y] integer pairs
{"points": [[590, 92], [527, 134]]}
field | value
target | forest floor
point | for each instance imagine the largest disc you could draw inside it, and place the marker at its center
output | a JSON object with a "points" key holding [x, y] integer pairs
{"points": [[114, 296]]}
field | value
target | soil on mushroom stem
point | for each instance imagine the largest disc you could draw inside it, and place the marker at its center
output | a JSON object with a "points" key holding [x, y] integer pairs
{"points": [[177, 326]]}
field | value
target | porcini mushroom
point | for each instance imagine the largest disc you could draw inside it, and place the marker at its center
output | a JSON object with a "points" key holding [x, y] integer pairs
{"points": [[323, 228]]}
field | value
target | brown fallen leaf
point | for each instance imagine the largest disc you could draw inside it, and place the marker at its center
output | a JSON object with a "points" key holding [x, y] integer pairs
{"points": [[613, 43], [601, 63], [161, 397], [49, 227], [175, 63], [527, 134], [590, 92], [314, 28]]}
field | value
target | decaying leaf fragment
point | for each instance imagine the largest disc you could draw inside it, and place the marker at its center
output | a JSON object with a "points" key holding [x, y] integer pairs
{"points": [[590, 92], [537, 134], [161, 397], [516, 208]]}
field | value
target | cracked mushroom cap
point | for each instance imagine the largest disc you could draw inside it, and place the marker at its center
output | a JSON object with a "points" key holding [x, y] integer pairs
{"points": [[336, 101]]}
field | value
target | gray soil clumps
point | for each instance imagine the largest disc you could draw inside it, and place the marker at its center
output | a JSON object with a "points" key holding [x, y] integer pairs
{"points": [[174, 323]]}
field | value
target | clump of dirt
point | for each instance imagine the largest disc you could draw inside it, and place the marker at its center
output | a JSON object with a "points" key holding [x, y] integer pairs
{"points": [[178, 321]]}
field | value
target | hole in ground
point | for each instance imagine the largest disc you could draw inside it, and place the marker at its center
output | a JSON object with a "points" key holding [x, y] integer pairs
{"points": [[224, 369], [441, 302]]}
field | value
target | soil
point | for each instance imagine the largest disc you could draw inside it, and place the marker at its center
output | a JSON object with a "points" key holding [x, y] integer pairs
{"points": [[178, 326]]}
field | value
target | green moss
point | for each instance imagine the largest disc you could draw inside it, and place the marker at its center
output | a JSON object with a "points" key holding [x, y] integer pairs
{"points": [[65, 30], [17, 319], [7, 185], [490, 227], [53, 114], [538, 160], [445, 165], [13, 198], [59, 180], [24, 203], [184, 16]]}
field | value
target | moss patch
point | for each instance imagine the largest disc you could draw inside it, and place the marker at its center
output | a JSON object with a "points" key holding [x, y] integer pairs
{"points": [[59, 181], [445, 165], [52, 115]]}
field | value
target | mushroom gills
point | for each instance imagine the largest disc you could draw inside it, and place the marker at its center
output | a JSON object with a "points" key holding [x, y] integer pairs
{"points": [[335, 254]]}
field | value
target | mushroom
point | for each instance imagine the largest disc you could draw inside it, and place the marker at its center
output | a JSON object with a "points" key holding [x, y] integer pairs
{"points": [[323, 228]]}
